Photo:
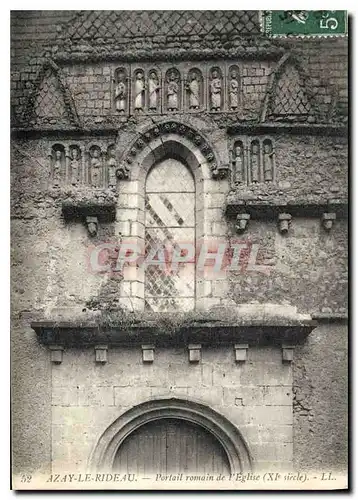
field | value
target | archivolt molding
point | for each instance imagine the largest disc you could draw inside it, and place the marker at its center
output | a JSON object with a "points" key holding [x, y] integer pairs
{"points": [[161, 131], [67, 97], [226, 433]]}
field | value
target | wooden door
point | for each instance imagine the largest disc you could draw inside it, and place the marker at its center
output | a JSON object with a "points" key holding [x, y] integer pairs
{"points": [[171, 446]]}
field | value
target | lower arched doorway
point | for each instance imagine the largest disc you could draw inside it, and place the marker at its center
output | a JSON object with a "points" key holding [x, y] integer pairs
{"points": [[190, 433], [171, 446]]}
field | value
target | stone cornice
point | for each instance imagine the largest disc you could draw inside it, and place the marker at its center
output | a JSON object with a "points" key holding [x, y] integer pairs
{"points": [[141, 329], [63, 132], [330, 317], [330, 129], [296, 206], [97, 54]]}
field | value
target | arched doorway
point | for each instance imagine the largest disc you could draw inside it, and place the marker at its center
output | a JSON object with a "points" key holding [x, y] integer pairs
{"points": [[171, 446], [216, 432]]}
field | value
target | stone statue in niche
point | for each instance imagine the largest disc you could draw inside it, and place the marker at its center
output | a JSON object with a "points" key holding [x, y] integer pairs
{"points": [[255, 162], [154, 88], [215, 91], [96, 166], [268, 161], [193, 87], [58, 162], [238, 162], [172, 92], [233, 90], [75, 165], [139, 87], [121, 93], [111, 166]]}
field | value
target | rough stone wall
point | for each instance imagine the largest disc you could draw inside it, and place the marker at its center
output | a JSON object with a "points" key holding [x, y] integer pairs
{"points": [[255, 395], [320, 372], [305, 259]]}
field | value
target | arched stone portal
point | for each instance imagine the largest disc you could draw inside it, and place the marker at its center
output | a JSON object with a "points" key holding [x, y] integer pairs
{"points": [[171, 446], [211, 430], [194, 153]]}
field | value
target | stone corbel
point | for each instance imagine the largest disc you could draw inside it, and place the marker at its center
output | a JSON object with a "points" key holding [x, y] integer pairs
{"points": [[148, 353], [56, 354], [328, 219], [287, 353], [101, 353], [284, 221], [242, 221], [219, 172], [92, 225], [241, 352], [194, 353], [90, 213], [122, 172]]}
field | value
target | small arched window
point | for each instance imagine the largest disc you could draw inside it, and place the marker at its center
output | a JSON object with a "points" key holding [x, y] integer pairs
{"points": [[169, 231]]}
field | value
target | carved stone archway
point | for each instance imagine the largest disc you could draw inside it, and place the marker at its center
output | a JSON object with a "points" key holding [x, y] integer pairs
{"points": [[223, 430], [155, 141], [152, 144]]}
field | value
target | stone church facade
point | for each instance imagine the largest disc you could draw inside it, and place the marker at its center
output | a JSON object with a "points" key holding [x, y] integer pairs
{"points": [[130, 129]]}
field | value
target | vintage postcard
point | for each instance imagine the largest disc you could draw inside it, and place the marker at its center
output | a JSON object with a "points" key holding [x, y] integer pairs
{"points": [[179, 205]]}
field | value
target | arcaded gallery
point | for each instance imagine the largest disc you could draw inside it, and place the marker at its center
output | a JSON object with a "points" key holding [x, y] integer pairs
{"points": [[179, 188]]}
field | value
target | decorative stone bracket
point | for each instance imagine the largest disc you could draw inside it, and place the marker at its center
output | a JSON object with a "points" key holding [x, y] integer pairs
{"points": [[242, 221], [194, 353], [328, 219], [284, 221], [241, 352], [287, 353], [148, 353], [92, 225], [101, 353], [276, 208], [56, 353], [90, 213]]}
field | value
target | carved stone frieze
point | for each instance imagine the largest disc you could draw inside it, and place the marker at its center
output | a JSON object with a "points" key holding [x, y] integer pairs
{"points": [[253, 161], [83, 164], [175, 89]]}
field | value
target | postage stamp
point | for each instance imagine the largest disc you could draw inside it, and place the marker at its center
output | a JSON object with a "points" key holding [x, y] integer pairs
{"points": [[304, 23]]}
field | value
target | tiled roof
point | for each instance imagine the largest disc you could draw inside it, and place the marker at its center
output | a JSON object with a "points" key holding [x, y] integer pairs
{"points": [[116, 25]]}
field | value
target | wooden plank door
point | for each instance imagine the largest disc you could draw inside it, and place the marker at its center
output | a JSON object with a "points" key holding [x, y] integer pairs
{"points": [[171, 446]]}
